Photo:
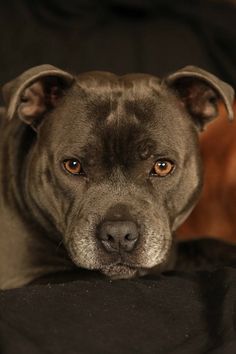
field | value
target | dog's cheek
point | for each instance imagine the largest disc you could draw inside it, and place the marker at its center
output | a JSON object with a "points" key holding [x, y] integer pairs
{"points": [[45, 198], [80, 235], [81, 242], [83, 253], [181, 199], [156, 240]]}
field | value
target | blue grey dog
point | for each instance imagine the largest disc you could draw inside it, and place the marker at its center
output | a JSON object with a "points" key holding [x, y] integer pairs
{"points": [[98, 171]]}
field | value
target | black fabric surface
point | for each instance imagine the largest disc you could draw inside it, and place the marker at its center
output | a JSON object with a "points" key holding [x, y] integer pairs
{"points": [[183, 313]]}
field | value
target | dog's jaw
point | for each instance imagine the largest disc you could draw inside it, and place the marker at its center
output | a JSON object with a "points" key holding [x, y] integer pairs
{"points": [[122, 271]]}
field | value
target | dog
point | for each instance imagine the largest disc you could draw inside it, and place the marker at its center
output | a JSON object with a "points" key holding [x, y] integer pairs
{"points": [[98, 171]]}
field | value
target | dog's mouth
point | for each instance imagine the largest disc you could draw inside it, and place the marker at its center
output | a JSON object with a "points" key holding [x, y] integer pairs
{"points": [[123, 268], [122, 271]]}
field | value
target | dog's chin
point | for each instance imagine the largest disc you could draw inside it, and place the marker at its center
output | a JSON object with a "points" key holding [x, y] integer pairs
{"points": [[122, 271]]}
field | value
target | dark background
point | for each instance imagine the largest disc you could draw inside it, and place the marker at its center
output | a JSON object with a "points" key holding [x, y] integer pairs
{"points": [[153, 36]]}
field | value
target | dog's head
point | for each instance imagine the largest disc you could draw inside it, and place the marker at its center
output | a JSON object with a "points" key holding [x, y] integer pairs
{"points": [[114, 166]]}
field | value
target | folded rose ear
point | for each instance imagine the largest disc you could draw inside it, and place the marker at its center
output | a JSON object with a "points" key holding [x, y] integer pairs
{"points": [[35, 92], [200, 93]]}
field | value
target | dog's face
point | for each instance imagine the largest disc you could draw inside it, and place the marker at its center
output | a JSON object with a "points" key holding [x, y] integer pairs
{"points": [[108, 170], [115, 165]]}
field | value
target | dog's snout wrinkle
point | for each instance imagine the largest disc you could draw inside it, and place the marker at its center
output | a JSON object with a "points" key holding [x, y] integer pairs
{"points": [[117, 236]]}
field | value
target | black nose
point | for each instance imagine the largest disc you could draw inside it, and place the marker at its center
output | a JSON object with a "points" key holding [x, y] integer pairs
{"points": [[118, 235]]}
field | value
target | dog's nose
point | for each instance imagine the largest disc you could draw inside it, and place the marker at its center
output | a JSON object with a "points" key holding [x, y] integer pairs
{"points": [[118, 235]]}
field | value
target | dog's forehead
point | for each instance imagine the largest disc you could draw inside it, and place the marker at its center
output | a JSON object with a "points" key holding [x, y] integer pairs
{"points": [[119, 111], [102, 99], [105, 81], [109, 97]]}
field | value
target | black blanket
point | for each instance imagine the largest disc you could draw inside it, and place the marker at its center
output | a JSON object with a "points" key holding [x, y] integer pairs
{"points": [[177, 312]]}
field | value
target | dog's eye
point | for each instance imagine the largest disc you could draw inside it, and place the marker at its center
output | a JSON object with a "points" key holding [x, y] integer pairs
{"points": [[73, 166], [162, 168]]}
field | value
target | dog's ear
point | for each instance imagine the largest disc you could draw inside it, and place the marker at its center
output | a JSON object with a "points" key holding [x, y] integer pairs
{"points": [[35, 92], [200, 92]]}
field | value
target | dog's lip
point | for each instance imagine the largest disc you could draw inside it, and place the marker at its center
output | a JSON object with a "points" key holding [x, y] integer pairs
{"points": [[120, 270], [124, 264], [128, 265], [121, 262]]}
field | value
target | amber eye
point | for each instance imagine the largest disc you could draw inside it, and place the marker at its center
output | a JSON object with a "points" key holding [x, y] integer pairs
{"points": [[162, 168], [73, 166]]}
